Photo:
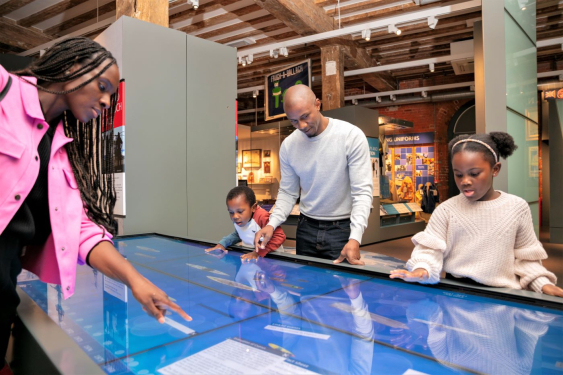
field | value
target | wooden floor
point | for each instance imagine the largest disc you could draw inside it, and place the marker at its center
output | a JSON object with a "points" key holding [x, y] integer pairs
{"points": [[401, 248]]}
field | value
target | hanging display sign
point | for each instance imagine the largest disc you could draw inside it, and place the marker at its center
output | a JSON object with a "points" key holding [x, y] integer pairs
{"points": [[553, 94], [409, 139], [116, 134], [278, 82]]}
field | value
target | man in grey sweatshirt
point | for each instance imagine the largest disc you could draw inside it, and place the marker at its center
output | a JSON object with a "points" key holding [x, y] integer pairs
{"points": [[328, 160]]}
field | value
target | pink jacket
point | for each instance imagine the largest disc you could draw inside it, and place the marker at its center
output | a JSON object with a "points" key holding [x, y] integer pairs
{"points": [[73, 235]]}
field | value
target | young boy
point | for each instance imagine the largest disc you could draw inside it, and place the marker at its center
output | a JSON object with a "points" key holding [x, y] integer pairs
{"points": [[248, 219]]}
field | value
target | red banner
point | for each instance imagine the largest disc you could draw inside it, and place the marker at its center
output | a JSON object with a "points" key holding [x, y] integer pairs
{"points": [[119, 117]]}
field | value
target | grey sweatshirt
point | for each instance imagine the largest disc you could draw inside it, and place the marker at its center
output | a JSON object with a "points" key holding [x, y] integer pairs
{"points": [[333, 171]]}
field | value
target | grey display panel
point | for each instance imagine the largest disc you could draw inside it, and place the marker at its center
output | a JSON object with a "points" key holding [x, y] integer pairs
{"points": [[180, 96]]}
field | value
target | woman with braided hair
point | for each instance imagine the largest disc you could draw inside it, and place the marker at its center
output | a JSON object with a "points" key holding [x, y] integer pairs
{"points": [[56, 205]]}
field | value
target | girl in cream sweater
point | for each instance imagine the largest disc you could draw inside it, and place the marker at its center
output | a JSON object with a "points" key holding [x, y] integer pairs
{"points": [[482, 234]]}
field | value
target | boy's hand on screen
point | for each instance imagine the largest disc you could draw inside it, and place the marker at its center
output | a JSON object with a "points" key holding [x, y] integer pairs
{"points": [[418, 275], [216, 247], [262, 237], [552, 290], [248, 257]]}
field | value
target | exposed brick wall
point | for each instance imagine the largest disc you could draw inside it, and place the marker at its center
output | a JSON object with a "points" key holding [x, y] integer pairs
{"points": [[548, 66], [430, 117]]}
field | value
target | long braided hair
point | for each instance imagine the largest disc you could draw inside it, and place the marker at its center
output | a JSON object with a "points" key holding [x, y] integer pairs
{"points": [[91, 153]]}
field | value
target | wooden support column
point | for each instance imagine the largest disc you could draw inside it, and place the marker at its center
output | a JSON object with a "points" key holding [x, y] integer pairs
{"points": [[153, 11], [332, 60]]}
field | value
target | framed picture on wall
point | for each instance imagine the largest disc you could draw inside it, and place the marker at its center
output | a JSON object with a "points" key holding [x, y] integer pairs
{"points": [[532, 133], [533, 161], [266, 167], [266, 153], [252, 158]]}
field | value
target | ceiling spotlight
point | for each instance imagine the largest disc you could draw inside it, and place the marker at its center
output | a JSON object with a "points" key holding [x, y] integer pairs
{"points": [[394, 29], [249, 59], [378, 99], [243, 61], [392, 97], [424, 94], [355, 101], [366, 34], [431, 67], [274, 53], [283, 51], [195, 4], [432, 22], [254, 93]]}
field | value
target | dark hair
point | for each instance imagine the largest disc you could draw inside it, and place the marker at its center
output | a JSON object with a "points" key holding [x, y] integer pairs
{"points": [[501, 143], [54, 66], [90, 154], [242, 190]]}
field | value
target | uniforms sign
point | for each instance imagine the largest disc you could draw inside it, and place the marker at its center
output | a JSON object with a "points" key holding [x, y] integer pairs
{"points": [[409, 139]]}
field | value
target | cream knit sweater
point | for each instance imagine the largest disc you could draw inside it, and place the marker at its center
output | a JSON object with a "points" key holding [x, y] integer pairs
{"points": [[491, 242]]}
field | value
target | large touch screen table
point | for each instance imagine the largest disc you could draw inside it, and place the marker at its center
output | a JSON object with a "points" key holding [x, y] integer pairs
{"points": [[285, 316]]}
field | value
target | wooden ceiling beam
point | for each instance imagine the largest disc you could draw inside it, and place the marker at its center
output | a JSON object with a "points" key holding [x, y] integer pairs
{"points": [[94, 34], [268, 68], [302, 16], [156, 12], [548, 34], [369, 4], [377, 14], [413, 53], [555, 23], [176, 3], [414, 44], [419, 56], [59, 30], [549, 20], [20, 37], [203, 8], [306, 18], [220, 19], [250, 34], [393, 40], [6, 48], [273, 39], [266, 59], [542, 5], [237, 26], [49, 12], [12, 5]]}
